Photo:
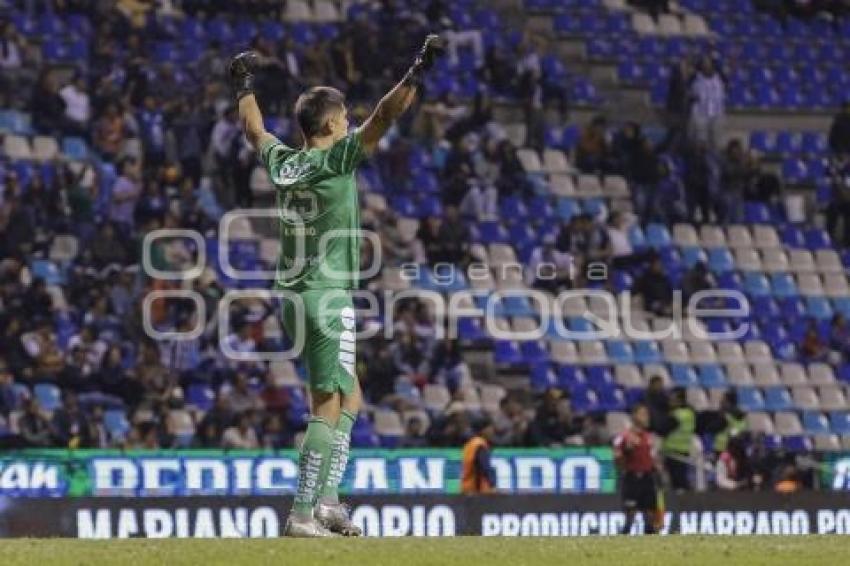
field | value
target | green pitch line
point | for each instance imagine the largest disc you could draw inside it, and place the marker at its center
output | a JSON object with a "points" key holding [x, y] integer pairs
{"points": [[467, 551]]}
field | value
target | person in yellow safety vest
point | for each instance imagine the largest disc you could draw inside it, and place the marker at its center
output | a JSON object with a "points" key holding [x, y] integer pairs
{"points": [[477, 474], [676, 447], [734, 420]]}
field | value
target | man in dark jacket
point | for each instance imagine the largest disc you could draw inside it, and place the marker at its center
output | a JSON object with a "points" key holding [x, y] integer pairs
{"points": [[839, 133]]}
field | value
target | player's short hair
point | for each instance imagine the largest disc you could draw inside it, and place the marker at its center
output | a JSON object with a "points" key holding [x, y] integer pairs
{"points": [[313, 107]]}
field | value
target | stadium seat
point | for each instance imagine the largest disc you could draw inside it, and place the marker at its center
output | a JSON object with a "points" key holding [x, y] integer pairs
{"points": [[840, 422], [759, 422], [200, 396], [116, 423], [833, 398], [805, 398], [777, 399], [435, 397], [17, 147], [49, 396]]}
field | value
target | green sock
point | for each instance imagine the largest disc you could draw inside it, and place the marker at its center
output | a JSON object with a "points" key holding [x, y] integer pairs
{"points": [[313, 465], [339, 458]]}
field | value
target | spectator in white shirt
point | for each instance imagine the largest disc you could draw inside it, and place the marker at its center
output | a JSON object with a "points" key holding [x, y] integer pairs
{"points": [[126, 192], [709, 105], [77, 104], [224, 135], [93, 347], [622, 253], [239, 342], [242, 436], [10, 51]]}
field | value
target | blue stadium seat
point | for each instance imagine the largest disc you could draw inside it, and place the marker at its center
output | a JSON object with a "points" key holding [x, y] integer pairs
{"points": [[272, 30], [793, 237], [431, 205], [594, 206], [583, 400], [637, 237], [797, 444], [777, 399], [794, 170], [611, 399], [756, 284], [818, 239], [571, 136], [787, 143], [792, 309], [782, 285], [840, 422], [720, 260], [634, 395], [567, 208], [818, 307], [756, 213], [542, 378], [730, 281], [750, 399], [49, 271], [200, 396], [363, 433], [647, 352], [492, 232], [469, 330], [403, 206], [506, 352], [814, 143], [619, 352], [540, 209], [683, 376], [514, 305], [712, 376], [815, 423], [658, 236], [599, 377], [762, 142], [671, 258], [692, 255], [553, 137], [622, 281], [191, 28], [570, 376], [115, 421], [534, 352]]}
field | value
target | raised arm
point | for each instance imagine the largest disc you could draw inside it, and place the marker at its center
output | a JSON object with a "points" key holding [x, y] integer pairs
{"points": [[399, 99], [242, 76]]}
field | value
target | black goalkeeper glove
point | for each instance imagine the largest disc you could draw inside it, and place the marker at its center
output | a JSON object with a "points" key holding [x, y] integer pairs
{"points": [[433, 47], [243, 69]]}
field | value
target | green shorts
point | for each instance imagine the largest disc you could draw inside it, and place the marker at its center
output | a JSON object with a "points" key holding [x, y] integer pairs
{"points": [[328, 327]]}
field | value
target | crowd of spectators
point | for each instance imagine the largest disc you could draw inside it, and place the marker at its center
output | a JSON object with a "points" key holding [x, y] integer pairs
{"points": [[692, 173], [167, 152]]}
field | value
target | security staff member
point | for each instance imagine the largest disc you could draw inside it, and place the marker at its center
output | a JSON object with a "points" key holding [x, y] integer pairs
{"points": [[677, 444], [634, 453], [478, 476]]}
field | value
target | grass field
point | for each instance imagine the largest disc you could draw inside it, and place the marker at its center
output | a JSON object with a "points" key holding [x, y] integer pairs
{"points": [[645, 551]]}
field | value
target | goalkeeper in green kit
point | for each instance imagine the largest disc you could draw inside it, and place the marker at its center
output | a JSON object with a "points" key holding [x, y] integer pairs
{"points": [[319, 262]]}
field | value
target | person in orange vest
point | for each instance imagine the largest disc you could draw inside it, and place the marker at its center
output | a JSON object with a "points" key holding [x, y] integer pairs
{"points": [[477, 476]]}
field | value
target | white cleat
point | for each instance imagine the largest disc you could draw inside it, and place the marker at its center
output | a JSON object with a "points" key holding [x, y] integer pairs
{"points": [[335, 517], [305, 528]]}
